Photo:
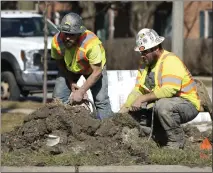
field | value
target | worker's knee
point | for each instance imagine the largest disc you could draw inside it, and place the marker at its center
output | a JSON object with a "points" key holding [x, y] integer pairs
{"points": [[163, 107], [61, 90]]}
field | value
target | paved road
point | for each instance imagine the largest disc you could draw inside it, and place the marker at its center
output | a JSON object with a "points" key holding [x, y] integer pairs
{"points": [[143, 168]]}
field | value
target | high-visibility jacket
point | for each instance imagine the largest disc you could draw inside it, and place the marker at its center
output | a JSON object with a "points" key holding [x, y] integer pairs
{"points": [[76, 57], [170, 72]]}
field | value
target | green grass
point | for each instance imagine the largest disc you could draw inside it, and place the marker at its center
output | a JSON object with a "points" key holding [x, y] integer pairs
{"points": [[189, 157], [17, 104], [11, 120], [31, 159]]}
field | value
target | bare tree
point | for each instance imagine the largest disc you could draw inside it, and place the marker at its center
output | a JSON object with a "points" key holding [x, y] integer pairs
{"points": [[142, 15], [45, 53], [189, 25]]}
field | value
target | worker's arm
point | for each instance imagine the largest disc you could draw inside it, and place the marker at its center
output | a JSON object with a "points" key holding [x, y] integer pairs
{"points": [[171, 83], [79, 94], [136, 105], [92, 79], [134, 94], [95, 59], [130, 100], [94, 56]]}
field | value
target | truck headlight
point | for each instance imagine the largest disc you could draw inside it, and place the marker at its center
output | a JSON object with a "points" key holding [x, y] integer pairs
{"points": [[27, 57]]}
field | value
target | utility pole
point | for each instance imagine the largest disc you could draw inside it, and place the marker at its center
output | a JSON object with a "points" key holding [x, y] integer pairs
{"points": [[178, 28]]}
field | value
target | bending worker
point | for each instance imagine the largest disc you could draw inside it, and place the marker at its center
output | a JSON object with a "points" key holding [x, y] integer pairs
{"points": [[77, 52], [164, 79]]}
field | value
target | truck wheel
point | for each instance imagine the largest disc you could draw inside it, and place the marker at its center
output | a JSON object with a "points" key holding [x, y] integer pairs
{"points": [[25, 93], [9, 87]]}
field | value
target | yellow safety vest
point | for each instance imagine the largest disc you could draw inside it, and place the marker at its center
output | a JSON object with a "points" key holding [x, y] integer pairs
{"points": [[75, 57], [186, 84]]}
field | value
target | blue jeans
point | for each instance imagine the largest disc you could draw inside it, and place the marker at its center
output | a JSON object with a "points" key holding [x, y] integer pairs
{"points": [[99, 92]]}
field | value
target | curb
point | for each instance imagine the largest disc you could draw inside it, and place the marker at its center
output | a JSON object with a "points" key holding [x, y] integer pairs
{"points": [[134, 168]]}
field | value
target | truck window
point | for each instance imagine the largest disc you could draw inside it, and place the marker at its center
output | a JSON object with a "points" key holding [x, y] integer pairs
{"points": [[25, 27]]}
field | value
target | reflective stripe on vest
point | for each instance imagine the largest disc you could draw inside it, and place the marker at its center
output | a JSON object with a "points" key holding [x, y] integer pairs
{"points": [[171, 79], [174, 80], [59, 44], [137, 83], [82, 60], [138, 78], [84, 40], [188, 87], [161, 68]]}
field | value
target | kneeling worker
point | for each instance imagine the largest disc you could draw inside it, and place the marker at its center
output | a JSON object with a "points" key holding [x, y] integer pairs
{"points": [[163, 79]]}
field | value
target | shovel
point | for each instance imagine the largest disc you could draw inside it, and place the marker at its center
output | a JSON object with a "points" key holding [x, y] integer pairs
{"points": [[93, 112]]}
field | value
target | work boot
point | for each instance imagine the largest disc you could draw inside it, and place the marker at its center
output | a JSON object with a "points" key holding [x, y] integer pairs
{"points": [[175, 139], [174, 145]]}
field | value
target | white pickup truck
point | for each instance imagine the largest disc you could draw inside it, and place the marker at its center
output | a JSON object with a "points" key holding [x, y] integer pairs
{"points": [[22, 48]]}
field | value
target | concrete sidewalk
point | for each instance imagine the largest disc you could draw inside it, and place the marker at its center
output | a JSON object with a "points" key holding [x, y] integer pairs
{"points": [[142, 168]]}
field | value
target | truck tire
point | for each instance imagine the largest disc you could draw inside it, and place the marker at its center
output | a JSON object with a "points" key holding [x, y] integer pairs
{"points": [[12, 90], [25, 93]]}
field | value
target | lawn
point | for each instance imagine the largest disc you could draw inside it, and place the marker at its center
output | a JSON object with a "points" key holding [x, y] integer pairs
{"points": [[18, 104], [10, 120]]}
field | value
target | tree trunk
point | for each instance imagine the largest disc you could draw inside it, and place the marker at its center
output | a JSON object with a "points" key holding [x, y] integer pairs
{"points": [[45, 54]]}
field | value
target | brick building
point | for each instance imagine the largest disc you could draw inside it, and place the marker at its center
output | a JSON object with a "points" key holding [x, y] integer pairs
{"points": [[198, 19]]}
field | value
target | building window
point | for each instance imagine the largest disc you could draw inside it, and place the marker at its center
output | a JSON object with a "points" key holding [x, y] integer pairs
{"points": [[206, 24]]}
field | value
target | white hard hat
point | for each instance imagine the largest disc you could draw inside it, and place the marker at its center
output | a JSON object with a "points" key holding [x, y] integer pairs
{"points": [[146, 39]]}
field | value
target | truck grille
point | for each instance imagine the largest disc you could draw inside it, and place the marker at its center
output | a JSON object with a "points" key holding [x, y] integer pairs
{"points": [[38, 61]]}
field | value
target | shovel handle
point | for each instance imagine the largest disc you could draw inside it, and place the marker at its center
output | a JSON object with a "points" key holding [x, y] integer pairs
{"points": [[94, 113]]}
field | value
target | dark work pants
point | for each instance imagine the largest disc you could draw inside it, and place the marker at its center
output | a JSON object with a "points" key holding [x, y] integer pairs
{"points": [[169, 114]]}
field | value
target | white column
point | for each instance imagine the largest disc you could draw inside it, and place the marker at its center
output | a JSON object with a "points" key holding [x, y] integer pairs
{"points": [[178, 28]]}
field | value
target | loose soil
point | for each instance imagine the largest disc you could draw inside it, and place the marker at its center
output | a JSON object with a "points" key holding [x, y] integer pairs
{"points": [[113, 141]]}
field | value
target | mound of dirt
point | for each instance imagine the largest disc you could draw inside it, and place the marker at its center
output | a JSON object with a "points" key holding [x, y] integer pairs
{"points": [[78, 132], [115, 138]]}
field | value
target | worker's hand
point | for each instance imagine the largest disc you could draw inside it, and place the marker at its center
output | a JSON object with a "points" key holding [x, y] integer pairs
{"points": [[136, 106], [123, 109], [74, 87], [77, 96]]}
